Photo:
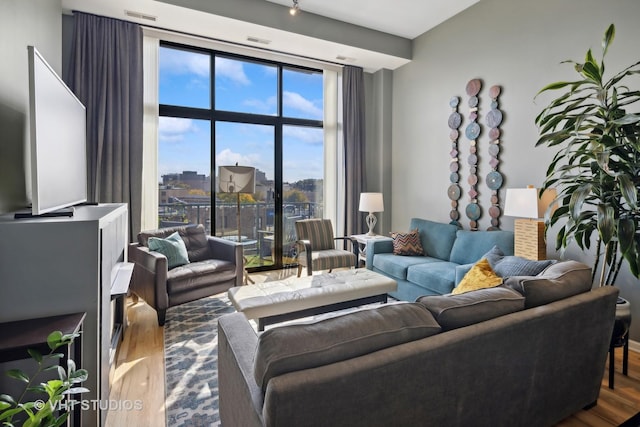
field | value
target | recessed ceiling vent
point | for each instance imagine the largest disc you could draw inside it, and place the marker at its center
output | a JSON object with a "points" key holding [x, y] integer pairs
{"points": [[140, 15], [258, 40]]}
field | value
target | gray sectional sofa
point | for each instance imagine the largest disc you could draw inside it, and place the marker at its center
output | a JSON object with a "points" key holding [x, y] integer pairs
{"points": [[449, 254], [527, 353]]}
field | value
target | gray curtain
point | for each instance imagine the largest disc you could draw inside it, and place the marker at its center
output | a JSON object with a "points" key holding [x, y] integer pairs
{"points": [[105, 72], [354, 142]]}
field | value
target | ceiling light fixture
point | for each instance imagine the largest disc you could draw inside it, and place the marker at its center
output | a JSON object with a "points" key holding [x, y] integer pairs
{"points": [[293, 11]]}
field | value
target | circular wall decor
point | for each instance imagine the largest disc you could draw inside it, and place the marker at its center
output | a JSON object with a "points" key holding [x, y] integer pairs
{"points": [[454, 192], [472, 132], [494, 178]]}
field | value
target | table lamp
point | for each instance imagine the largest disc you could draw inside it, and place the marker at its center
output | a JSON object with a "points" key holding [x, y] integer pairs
{"points": [[371, 202], [529, 236]]}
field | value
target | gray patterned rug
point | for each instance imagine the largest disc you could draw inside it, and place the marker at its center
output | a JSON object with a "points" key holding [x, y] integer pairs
{"points": [[191, 356]]}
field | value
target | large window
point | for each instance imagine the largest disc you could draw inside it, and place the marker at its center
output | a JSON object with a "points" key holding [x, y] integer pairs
{"points": [[218, 109]]}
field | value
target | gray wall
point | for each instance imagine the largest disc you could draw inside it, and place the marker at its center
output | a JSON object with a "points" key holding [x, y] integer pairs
{"points": [[22, 23], [518, 45]]}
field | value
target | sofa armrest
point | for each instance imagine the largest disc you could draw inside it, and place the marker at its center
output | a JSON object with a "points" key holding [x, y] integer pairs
{"points": [[461, 270], [377, 246], [240, 398], [149, 275], [228, 250]]}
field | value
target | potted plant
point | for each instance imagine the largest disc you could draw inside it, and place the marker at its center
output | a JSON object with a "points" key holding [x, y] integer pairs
{"points": [[48, 409], [595, 126]]}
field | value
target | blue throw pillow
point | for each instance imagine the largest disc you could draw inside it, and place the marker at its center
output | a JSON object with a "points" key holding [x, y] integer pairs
{"points": [[172, 247], [507, 266]]}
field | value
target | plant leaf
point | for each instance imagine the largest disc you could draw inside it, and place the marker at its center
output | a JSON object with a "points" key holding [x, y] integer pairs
{"points": [[53, 340], [18, 375], [609, 35], [606, 222]]}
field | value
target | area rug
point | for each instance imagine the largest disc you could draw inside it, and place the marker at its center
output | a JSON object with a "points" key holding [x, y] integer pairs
{"points": [[191, 362], [632, 422]]}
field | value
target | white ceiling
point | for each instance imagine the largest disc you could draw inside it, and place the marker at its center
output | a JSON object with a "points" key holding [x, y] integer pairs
{"points": [[403, 18]]}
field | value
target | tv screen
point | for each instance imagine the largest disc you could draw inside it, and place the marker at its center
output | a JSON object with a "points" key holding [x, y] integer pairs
{"points": [[57, 124]]}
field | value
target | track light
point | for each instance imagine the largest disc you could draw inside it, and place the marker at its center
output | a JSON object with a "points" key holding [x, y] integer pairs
{"points": [[293, 11]]}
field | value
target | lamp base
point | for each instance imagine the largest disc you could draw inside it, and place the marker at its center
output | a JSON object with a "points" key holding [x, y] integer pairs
{"points": [[529, 239], [371, 222]]}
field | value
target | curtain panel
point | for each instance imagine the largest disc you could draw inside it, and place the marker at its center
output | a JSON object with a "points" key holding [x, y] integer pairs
{"points": [[354, 143], [106, 74]]}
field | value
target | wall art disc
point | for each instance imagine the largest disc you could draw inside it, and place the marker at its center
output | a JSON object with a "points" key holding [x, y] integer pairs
{"points": [[472, 131], [454, 177], [494, 211], [494, 133], [453, 102], [456, 223], [494, 180], [454, 192], [473, 87], [472, 180], [473, 225], [494, 118], [454, 134], [454, 215], [494, 198], [454, 204], [453, 167], [455, 119], [494, 91], [473, 211], [494, 149], [473, 101], [472, 159]]}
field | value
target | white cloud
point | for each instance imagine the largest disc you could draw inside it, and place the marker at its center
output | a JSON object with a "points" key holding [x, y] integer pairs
{"points": [[173, 129], [176, 61], [304, 134], [300, 103], [232, 70]]}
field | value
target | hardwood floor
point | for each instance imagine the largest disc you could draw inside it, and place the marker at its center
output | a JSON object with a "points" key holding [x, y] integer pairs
{"points": [[139, 376]]}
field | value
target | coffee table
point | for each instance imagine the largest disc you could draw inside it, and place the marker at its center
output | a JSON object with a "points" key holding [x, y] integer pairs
{"points": [[295, 297]]}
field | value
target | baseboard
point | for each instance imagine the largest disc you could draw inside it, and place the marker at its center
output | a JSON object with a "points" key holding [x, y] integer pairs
{"points": [[634, 345]]}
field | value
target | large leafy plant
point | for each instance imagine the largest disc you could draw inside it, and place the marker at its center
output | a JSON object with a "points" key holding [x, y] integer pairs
{"points": [[595, 125], [43, 412]]}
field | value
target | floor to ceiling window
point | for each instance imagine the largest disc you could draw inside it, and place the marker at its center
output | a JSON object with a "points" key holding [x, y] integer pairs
{"points": [[218, 109]]}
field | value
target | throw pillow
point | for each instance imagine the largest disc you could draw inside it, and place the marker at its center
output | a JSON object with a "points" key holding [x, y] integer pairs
{"points": [[481, 276], [296, 347], [407, 243], [457, 311], [509, 265], [172, 247]]}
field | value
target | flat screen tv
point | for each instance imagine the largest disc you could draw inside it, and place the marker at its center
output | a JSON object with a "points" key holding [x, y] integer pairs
{"points": [[57, 125]]}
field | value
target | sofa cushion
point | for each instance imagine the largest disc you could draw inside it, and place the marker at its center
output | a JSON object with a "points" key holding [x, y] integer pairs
{"points": [[480, 276], [437, 238], [509, 265], [397, 267], [470, 246], [172, 247], [436, 276], [194, 237], [407, 243], [198, 274], [558, 281], [304, 346], [456, 311]]}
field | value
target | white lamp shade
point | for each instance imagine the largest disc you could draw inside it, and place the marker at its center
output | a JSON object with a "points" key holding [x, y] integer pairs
{"points": [[237, 179], [524, 202], [371, 202]]}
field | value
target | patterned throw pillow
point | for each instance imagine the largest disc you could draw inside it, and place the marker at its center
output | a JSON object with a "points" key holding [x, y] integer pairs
{"points": [[172, 247], [510, 265], [407, 243], [481, 276]]}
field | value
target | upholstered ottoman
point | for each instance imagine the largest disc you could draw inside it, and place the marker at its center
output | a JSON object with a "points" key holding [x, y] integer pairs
{"points": [[295, 297]]}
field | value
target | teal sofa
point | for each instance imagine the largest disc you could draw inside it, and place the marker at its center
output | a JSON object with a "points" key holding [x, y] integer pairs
{"points": [[449, 253]]}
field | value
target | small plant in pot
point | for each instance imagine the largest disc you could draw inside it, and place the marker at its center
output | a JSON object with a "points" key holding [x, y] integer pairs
{"points": [[48, 409], [594, 124]]}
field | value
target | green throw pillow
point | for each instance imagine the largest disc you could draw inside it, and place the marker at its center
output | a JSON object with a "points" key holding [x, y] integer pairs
{"points": [[172, 247]]}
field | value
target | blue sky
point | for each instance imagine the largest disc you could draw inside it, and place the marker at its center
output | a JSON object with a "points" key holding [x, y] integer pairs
{"points": [[240, 86]]}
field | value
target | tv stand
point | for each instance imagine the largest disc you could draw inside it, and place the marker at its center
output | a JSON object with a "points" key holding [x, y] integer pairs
{"points": [[64, 212]]}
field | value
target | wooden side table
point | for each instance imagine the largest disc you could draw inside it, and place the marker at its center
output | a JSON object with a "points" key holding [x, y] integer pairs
{"points": [[18, 336], [362, 240]]}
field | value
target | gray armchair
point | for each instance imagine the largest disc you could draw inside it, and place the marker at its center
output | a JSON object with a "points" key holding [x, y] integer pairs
{"points": [[317, 250], [215, 265]]}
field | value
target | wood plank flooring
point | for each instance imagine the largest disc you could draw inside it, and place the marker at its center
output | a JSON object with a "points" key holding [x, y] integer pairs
{"points": [[139, 376]]}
